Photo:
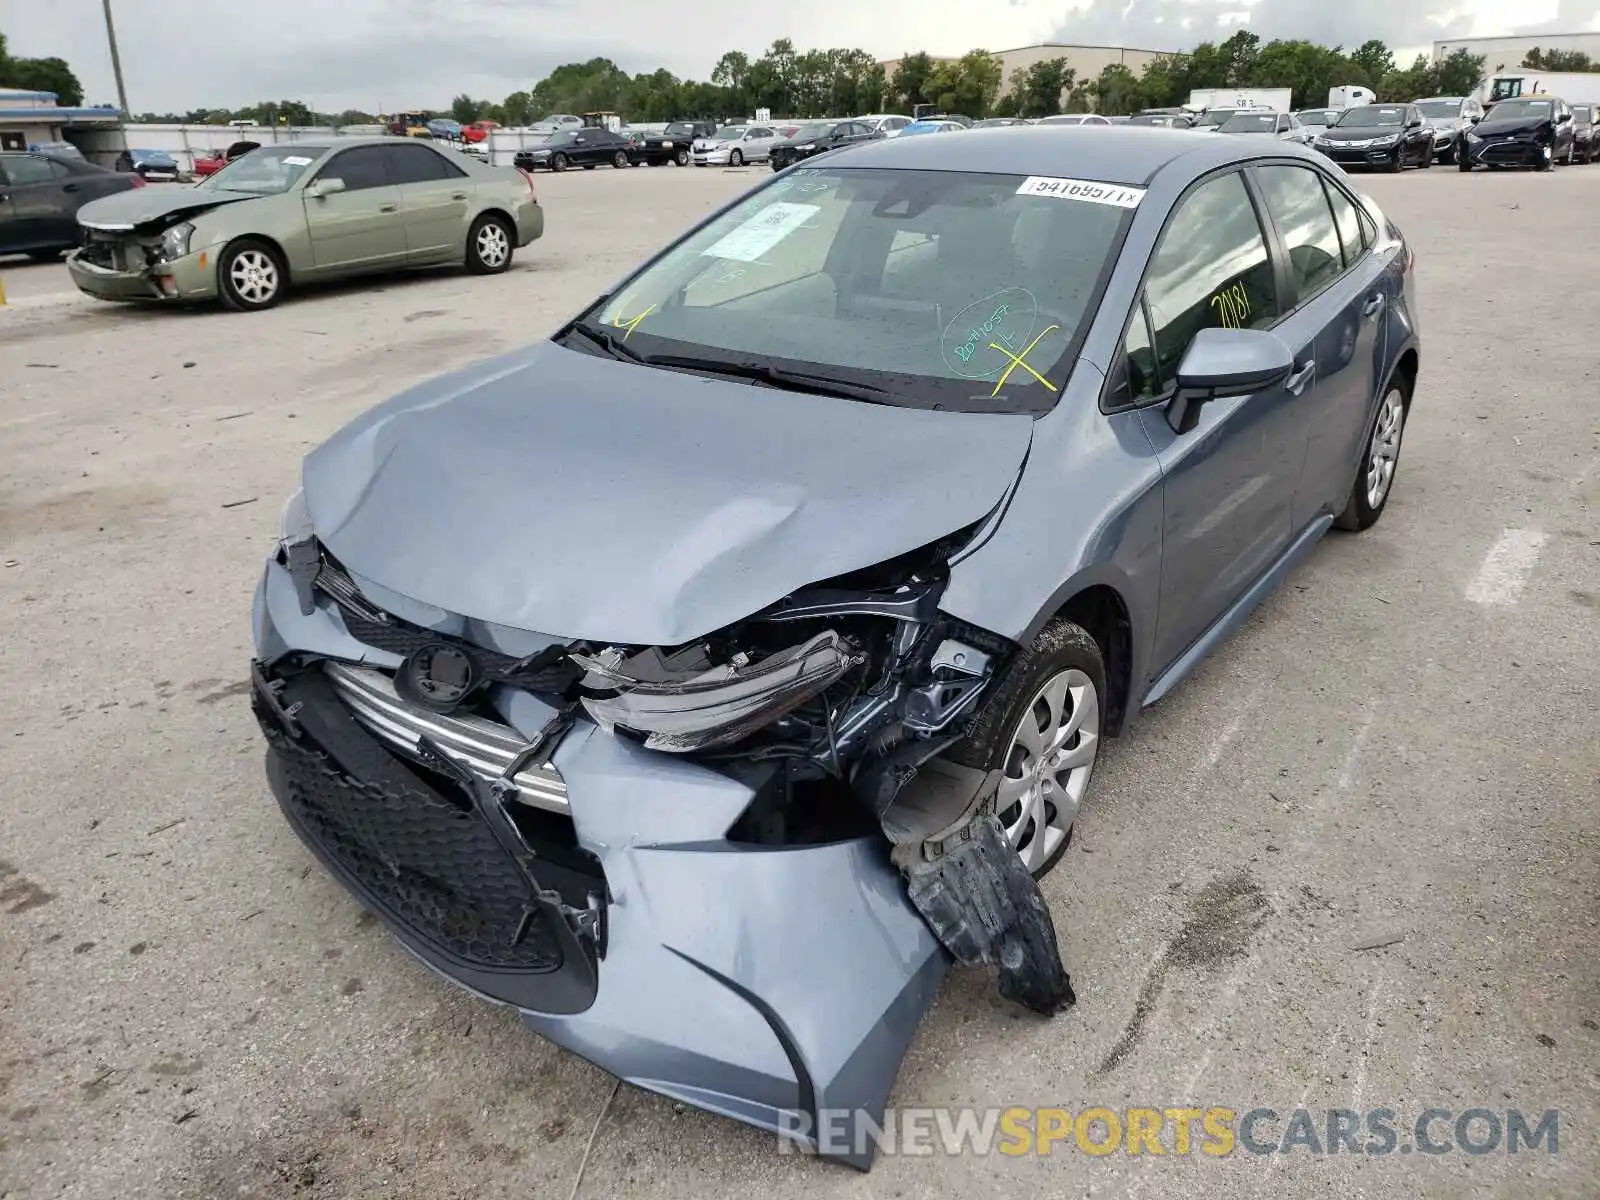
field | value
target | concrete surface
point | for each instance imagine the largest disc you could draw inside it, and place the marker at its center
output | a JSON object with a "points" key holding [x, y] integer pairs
{"points": [[1401, 747]]}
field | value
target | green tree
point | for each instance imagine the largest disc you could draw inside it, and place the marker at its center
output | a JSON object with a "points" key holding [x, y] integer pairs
{"points": [[1038, 90], [465, 109], [1117, 91], [1238, 57], [968, 85], [1458, 73], [42, 75], [909, 87], [1374, 60], [1558, 60], [517, 109]]}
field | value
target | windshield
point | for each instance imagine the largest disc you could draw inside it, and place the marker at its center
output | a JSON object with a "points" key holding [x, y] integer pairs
{"points": [[731, 134], [1373, 116], [1521, 110], [267, 171], [1064, 120], [1215, 117], [1582, 114], [1505, 89], [1317, 117], [1440, 110], [940, 288], [1251, 123], [679, 128], [806, 132]]}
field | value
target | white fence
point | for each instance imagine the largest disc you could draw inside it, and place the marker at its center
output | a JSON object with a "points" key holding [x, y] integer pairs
{"points": [[184, 141]]}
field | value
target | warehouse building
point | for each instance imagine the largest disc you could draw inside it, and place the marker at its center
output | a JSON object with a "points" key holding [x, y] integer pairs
{"points": [[31, 118], [1506, 53]]}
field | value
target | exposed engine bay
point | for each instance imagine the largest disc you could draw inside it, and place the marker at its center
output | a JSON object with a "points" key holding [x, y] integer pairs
{"points": [[843, 696]]}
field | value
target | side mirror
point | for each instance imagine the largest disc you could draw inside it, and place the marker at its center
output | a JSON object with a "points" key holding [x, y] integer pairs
{"points": [[318, 188], [1475, 118], [1563, 118], [1226, 362]]}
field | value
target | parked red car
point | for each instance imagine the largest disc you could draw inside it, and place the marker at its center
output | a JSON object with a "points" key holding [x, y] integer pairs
{"points": [[477, 131], [209, 164]]}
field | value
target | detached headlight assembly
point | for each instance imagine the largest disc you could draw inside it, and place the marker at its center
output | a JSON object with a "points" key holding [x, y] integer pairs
{"points": [[294, 523], [175, 241]]}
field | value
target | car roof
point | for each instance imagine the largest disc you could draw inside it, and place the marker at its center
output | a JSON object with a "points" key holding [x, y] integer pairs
{"points": [[1125, 154]]}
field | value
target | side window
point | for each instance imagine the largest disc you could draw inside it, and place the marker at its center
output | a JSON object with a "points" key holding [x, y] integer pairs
{"points": [[414, 164], [30, 168], [1141, 359], [1349, 223], [360, 167], [1295, 198], [1210, 270]]}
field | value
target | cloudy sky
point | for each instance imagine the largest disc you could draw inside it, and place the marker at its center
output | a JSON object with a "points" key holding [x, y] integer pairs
{"points": [[388, 54]]}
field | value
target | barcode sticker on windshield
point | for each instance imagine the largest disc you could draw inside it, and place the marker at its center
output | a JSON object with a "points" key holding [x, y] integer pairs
{"points": [[762, 232], [1081, 189], [296, 160]]}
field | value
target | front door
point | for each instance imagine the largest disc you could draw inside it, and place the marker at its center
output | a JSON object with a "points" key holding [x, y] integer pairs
{"points": [[436, 194], [1229, 482], [363, 226], [43, 198]]}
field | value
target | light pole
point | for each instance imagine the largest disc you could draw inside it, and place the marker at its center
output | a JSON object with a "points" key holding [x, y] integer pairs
{"points": [[116, 60]]}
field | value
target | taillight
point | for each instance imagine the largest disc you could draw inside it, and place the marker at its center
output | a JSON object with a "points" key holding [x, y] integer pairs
{"points": [[527, 176], [137, 180]]}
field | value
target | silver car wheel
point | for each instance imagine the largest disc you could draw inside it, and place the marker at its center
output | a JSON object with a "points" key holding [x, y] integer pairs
{"points": [[493, 245], [254, 276], [1047, 768], [1384, 453]]}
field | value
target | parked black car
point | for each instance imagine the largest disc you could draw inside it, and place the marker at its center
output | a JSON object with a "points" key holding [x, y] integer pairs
{"points": [[818, 138], [1451, 118], [40, 195], [672, 144], [1527, 132], [1384, 136], [586, 148], [1585, 137]]}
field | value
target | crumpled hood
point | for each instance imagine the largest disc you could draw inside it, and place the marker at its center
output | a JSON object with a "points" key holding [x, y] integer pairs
{"points": [[1360, 133], [1489, 127], [139, 206], [555, 491]]}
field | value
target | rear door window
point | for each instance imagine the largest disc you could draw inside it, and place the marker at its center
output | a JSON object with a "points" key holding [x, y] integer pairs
{"points": [[1299, 206], [418, 164], [30, 168]]}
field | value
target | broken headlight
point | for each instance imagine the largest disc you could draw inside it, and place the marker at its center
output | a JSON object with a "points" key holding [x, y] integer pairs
{"points": [[682, 705], [175, 241], [294, 523]]}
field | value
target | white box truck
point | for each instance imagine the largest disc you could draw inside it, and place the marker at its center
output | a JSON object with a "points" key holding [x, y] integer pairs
{"points": [[1349, 95], [1575, 87], [1276, 99]]}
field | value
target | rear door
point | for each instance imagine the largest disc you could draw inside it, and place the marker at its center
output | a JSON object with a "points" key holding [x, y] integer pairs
{"points": [[436, 195], [43, 197], [10, 226], [1337, 297], [362, 227], [1229, 482]]}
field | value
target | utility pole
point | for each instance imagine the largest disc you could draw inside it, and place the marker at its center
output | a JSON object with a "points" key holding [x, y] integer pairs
{"points": [[116, 60]]}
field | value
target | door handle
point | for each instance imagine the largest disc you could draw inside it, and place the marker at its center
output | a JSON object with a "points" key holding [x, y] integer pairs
{"points": [[1373, 304], [69, 187], [458, 195], [387, 207], [1296, 383]]}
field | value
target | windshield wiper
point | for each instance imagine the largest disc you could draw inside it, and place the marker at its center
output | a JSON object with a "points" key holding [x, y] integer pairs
{"points": [[778, 377], [610, 343]]}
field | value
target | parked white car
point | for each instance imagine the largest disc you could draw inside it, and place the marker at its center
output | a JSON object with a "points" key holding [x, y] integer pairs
{"points": [[735, 145], [1286, 126], [888, 124], [1073, 119]]}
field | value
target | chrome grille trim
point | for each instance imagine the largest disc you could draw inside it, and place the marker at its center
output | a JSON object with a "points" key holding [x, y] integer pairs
{"points": [[488, 747]]}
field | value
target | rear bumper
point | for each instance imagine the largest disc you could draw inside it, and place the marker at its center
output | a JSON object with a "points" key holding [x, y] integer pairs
{"points": [[755, 982]]}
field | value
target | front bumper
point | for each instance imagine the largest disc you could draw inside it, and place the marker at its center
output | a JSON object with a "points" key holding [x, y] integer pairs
{"points": [[757, 983], [117, 270], [1508, 152], [711, 158], [1363, 156]]}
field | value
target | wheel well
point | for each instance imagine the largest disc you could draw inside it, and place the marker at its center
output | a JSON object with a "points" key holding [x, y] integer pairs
{"points": [[510, 221], [1406, 369], [283, 259], [1101, 611]]}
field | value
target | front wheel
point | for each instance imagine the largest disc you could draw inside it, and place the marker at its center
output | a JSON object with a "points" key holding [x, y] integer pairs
{"points": [[489, 246], [681, 158], [736, 159], [1041, 729], [1370, 491], [250, 275], [1396, 164], [558, 162], [619, 160]]}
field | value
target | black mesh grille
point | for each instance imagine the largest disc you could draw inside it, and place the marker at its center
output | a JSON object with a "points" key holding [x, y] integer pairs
{"points": [[433, 865]]}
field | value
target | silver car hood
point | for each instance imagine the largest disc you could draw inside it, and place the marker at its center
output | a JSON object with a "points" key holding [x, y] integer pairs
{"points": [[557, 491]]}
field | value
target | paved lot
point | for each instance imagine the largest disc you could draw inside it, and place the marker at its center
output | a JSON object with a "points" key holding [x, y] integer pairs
{"points": [[1403, 743]]}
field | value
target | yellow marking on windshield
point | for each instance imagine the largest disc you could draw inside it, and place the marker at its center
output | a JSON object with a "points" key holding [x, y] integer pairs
{"points": [[631, 323], [1017, 361]]}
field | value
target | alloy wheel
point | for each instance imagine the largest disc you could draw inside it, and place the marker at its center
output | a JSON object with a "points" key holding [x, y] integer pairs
{"points": [[254, 276], [1384, 453], [493, 246], [1048, 765]]}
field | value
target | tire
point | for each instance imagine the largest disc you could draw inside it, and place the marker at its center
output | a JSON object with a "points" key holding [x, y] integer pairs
{"points": [[251, 275], [1463, 161], [490, 245], [559, 162], [1396, 164], [1372, 487], [1545, 164], [736, 159], [1426, 161], [1065, 662], [681, 158], [45, 256], [619, 160], [588, 166]]}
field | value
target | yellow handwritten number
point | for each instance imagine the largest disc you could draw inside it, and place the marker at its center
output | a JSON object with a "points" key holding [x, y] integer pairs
{"points": [[1232, 306], [1017, 361], [631, 323]]}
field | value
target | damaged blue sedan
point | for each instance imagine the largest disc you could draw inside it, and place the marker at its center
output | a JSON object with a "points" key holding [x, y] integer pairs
{"points": [[706, 680]]}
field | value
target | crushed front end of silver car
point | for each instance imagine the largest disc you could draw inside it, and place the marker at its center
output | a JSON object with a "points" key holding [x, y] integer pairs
{"points": [[731, 867]]}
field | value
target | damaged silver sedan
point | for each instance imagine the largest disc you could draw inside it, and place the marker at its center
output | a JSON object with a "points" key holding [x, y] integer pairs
{"points": [[705, 681]]}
